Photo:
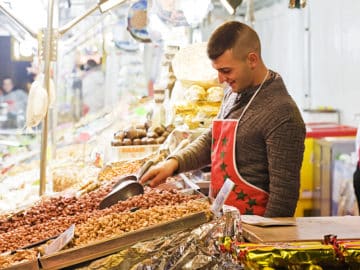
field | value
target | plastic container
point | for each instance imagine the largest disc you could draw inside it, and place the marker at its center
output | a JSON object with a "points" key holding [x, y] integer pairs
{"points": [[320, 130], [133, 151]]}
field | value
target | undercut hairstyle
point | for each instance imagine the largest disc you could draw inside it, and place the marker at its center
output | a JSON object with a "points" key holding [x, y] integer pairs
{"points": [[235, 36]]}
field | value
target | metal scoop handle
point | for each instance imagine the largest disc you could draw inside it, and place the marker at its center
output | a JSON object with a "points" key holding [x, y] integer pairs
{"points": [[144, 168]]}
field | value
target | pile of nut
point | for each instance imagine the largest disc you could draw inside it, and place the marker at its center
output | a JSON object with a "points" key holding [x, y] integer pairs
{"points": [[121, 168], [115, 224], [52, 216], [18, 257], [48, 218], [152, 197], [141, 134], [74, 151], [72, 175]]}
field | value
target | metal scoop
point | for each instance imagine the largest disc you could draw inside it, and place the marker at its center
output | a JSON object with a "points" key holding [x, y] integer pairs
{"points": [[126, 187]]}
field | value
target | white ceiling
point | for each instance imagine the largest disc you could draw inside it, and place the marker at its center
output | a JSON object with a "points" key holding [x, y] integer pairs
{"points": [[70, 9]]}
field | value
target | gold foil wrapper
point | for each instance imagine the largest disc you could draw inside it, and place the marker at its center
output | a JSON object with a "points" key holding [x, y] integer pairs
{"points": [[352, 255], [309, 254], [289, 256], [350, 251], [195, 249]]}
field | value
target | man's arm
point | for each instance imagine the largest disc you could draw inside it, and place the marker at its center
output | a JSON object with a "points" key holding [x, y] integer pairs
{"points": [[285, 148], [196, 155]]}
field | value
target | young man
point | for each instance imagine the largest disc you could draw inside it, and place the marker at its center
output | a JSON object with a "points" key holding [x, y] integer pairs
{"points": [[258, 137]]}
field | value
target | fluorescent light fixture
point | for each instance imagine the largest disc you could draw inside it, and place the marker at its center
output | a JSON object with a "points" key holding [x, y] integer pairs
{"points": [[102, 5], [231, 5], [195, 11], [105, 5]]}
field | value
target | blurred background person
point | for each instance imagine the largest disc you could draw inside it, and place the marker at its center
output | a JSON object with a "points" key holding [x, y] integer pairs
{"points": [[16, 99], [93, 87]]}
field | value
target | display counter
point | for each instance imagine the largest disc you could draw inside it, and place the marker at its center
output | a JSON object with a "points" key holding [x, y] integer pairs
{"points": [[306, 229], [214, 244]]}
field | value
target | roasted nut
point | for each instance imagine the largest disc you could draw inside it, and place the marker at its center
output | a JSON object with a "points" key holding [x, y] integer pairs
{"points": [[159, 130], [165, 134], [131, 133], [151, 141], [127, 141], [116, 143], [152, 134], [160, 140], [140, 126], [136, 141], [120, 135], [141, 133], [144, 140], [170, 128]]}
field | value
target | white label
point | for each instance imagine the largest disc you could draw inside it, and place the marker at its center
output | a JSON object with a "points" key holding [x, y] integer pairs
{"points": [[61, 241], [222, 196], [264, 221]]}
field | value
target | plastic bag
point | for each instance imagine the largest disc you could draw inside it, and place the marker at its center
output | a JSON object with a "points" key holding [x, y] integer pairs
{"points": [[52, 93], [191, 65], [37, 104]]}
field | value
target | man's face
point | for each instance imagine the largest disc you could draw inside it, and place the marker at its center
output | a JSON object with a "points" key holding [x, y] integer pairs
{"points": [[7, 85], [233, 71]]}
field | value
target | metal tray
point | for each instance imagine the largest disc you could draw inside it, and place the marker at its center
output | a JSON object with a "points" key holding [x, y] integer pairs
{"points": [[102, 248]]}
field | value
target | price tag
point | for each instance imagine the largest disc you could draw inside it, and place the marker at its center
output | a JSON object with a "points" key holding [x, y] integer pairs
{"points": [[61, 241], [222, 196]]}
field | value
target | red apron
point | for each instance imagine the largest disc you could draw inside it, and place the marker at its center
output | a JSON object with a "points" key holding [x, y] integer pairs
{"points": [[249, 199]]}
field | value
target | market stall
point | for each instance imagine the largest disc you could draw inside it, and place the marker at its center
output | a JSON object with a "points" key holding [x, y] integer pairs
{"points": [[174, 226]]}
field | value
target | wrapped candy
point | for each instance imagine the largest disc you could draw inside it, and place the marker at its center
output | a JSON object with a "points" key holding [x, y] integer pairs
{"points": [[289, 256], [350, 251]]}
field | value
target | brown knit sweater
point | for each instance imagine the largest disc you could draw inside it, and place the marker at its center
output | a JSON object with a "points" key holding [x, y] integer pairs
{"points": [[269, 146]]}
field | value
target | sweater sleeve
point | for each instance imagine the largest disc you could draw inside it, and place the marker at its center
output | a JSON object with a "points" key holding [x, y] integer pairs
{"points": [[196, 155], [285, 148]]}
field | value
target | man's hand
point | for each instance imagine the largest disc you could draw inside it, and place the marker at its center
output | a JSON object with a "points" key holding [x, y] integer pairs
{"points": [[158, 173]]}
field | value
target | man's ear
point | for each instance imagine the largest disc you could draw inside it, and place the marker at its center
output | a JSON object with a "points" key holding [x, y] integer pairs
{"points": [[252, 59]]}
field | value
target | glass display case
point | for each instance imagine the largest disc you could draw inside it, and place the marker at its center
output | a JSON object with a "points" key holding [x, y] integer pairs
{"points": [[326, 152]]}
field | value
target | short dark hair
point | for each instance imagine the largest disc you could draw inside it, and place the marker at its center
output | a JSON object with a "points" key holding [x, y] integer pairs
{"points": [[7, 78], [233, 35]]}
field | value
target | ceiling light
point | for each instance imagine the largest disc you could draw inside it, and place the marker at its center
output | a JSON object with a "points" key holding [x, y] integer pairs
{"points": [[105, 5], [102, 5], [231, 5], [250, 13]]}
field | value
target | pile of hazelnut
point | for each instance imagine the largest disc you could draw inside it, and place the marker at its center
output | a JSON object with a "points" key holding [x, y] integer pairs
{"points": [[142, 134]]}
